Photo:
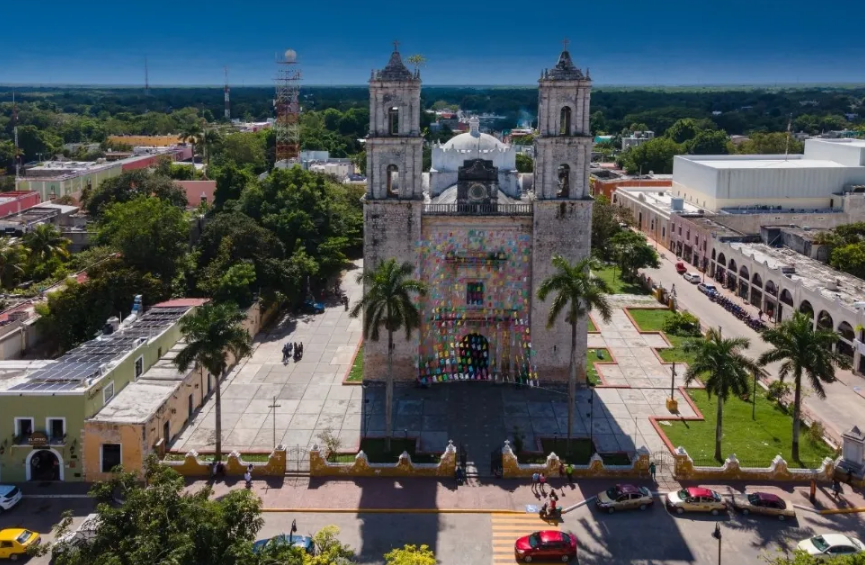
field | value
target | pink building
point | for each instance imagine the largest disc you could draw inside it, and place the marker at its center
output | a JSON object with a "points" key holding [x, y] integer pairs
{"points": [[179, 153], [198, 191], [18, 201]]}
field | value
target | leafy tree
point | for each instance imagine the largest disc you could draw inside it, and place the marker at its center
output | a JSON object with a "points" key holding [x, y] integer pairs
{"points": [[577, 292], [359, 160], [151, 234], [803, 351], [709, 142], [245, 150], [230, 182], [802, 558], [769, 144], [606, 222], [633, 253], [210, 139], [129, 185], [192, 134], [849, 258], [410, 555], [161, 522], [226, 280], [35, 143], [13, 260], [726, 371], [213, 332], [388, 304], [525, 164], [684, 130], [46, 247], [655, 155], [7, 156]]}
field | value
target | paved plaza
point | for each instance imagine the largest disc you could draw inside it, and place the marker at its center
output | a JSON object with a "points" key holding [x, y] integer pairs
{"points": [[310, 397]]}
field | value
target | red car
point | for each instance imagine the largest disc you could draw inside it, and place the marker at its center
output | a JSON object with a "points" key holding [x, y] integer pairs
{"points": [[548, 545], [681, 268]]}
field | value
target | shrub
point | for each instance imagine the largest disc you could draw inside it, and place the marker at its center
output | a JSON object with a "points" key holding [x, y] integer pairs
{"points": [[683, 324], [331, 441], [778, 390], [815, 433]]}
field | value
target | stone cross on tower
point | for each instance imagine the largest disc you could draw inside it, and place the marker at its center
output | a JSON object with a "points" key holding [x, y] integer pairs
{"points": [[565, 43], [396, 45]]}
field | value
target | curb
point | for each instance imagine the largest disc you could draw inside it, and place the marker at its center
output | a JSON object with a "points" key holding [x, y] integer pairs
{"points": [[842, 511], [56, 496], [806, 509], [395, 511]]}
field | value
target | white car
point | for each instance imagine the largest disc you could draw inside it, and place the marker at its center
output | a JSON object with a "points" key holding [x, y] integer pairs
{"points": [[831, 545], [692, 277], [9, 497]]}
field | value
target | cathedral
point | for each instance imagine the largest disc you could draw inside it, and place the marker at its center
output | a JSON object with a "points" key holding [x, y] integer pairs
{"points": [[480, 241]]}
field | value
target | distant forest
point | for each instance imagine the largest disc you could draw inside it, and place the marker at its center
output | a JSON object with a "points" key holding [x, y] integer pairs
{"points": [[743, 111]]}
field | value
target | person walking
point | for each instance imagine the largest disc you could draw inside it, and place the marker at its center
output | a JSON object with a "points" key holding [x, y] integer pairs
{"points": [[569, 471], [535, 480], [836, 487], [652, 470], [542, 480]]}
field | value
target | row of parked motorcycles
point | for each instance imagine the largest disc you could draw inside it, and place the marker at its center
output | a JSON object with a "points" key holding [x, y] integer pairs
{"points": [[754, 323]]}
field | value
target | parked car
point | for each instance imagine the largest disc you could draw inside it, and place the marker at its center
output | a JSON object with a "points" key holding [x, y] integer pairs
{"points": [[9, 497], [707, 288], [548, 545], [692, 277], [313, 307], [696, 499], [82, 535], [624, 497], [763, 503], [831, 545], [293, 540], [681, 268], [14, 543]]}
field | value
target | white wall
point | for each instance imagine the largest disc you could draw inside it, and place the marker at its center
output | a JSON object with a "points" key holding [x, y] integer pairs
{"points": [[845, 152]]}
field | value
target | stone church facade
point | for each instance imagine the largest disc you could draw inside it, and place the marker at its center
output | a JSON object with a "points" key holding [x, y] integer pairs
{"points": [[482, 245]]}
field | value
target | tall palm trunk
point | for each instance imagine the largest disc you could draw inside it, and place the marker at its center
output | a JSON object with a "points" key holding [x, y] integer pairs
{"points": [[718, 429], [797, 412], [388, 395], [572, 382], [218, 410]]}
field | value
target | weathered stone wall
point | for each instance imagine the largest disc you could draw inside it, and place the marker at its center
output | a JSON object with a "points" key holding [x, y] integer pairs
{"points": [[512, 469], [361, 467], [392, 229], [560, 228], [235, 466], [778, 470]]}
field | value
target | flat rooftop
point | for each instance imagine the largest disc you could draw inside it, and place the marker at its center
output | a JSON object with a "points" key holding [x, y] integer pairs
{"points": [[813, 274], [84, 366], [773, 163], [717, 230], [137, 403], [659, 198]]}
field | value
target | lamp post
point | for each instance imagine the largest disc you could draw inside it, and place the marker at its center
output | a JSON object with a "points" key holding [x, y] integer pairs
{"points": [[673, 382], [717, 534], [754, 398], [273, 406]]}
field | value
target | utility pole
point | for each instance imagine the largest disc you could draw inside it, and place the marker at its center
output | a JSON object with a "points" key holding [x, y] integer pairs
{"points": [[273, 406], [146, 78], [717, 534], [673, 382]]}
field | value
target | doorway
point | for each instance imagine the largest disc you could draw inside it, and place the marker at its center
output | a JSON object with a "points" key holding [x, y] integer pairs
{"points": [[44, 465], [474, 357], [166, 432]]}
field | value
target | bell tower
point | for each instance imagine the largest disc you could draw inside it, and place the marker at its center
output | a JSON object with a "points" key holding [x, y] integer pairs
{"points": [[562, 207], [394, 196]]}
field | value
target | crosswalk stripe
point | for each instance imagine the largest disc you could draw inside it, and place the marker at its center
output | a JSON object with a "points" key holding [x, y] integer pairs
{"points": [[506, 528]]}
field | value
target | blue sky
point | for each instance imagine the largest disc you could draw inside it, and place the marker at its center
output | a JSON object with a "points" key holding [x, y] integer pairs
{"points": [[481, 42]]}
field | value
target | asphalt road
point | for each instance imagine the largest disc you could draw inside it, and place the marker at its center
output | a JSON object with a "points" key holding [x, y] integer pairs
{"points": [[653, 536], [839, 411], [42, 514]]}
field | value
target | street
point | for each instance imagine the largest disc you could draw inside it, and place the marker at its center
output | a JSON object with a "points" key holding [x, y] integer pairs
{"points": [[843, 406]]}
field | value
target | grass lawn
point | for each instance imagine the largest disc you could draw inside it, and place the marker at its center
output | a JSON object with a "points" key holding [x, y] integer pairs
{"points": [[613, 277], [592, 327], [755, 442], [591, 357], [652, 320], [374, 449], [356, 373], [248, 457], [580, 453]]}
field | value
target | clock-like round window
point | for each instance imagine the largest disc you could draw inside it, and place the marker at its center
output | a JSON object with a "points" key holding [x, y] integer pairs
{"points": [[477, 192]]}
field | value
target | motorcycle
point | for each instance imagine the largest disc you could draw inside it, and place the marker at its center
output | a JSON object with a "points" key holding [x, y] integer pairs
{"points": [[546, 514]]}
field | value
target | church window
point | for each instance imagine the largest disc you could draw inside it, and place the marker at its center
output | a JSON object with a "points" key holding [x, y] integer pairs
{"points": [[564, 190], [565, 121], [475, 294], [392, 180], [393, 120]]}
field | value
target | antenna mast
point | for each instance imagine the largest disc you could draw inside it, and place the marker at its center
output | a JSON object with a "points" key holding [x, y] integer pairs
{"points": [[789, 125], [287, 106], [227, 90]]}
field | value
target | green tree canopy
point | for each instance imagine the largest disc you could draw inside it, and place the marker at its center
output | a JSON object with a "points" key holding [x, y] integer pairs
{"points": [[655, 155], [152, 234], [129, 185], [525, 164], [709, 142], [633, 252], [606, 222], [410, 555], [769, 144]]}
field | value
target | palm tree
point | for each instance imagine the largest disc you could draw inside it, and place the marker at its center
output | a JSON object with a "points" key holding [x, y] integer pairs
{"points": [[387, 303], [577, 292], [192, 134], [803, 351], [13, 257], [46, 242], [211, 332], [210, 138], [725, 370]]}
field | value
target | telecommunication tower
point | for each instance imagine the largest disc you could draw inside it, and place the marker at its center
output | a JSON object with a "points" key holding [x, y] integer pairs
{"points": [[146, 78], [287, 106], [15, 130], [227, 91]]}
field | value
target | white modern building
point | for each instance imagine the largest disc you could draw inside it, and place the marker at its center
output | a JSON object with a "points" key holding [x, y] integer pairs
{"points": [[636, 139], [808, 182], [652, 208]]}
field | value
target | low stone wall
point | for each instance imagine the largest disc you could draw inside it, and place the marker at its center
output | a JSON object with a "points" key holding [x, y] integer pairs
{"points": [[778, 470], [235, 466], [361, 467], [512, 469]]}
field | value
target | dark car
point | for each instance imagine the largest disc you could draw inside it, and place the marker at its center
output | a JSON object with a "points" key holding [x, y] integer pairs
{"points": [[763, 503], [548, 545], [303, 542]]}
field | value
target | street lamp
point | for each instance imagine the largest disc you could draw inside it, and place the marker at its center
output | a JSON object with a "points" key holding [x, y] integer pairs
{"points": [[717, 534]]}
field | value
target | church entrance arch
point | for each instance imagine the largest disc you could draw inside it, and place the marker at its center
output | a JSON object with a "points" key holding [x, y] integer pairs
{"points": [[44, 465], [474, 357]]}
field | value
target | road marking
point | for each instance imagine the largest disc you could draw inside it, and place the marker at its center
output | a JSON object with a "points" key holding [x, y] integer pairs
{"points": [[506, 528]]}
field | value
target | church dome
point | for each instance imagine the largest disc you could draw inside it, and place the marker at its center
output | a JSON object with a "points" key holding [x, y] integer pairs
{"points": [[474, 140]]}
